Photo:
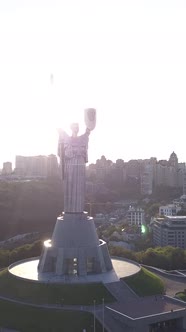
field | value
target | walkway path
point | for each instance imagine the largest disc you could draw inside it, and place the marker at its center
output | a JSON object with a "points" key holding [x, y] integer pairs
{"points": [[173, 284]]}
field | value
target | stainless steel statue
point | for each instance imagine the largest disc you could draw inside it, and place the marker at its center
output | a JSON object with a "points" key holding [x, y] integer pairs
{"points": [[75, 250], [73, 153]]}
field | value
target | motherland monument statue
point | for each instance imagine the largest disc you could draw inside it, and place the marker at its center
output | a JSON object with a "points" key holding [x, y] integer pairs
{"points": [[75, 251], [73, 154]]}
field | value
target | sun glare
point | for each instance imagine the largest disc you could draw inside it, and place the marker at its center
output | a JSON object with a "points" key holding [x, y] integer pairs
{"points": [[64, 109], [68, 63]]}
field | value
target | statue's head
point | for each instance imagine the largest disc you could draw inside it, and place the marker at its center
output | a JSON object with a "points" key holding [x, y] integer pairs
{"points": [[75, 129]]}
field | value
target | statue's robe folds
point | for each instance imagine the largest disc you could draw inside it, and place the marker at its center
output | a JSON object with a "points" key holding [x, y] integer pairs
{"points": [[73, 161]]}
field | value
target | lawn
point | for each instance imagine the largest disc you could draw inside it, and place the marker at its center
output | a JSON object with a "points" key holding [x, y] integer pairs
{"points": [[145, 283], [48, 293], [30, 319]]}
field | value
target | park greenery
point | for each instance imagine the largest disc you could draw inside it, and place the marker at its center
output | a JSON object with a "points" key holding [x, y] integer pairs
{"points": [[145, 283], [32, 206], [167, 258], [8, 257], [181, 295]]}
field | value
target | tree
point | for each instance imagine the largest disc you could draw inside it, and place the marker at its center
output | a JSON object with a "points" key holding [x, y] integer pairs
{"points": [[152, 210]]}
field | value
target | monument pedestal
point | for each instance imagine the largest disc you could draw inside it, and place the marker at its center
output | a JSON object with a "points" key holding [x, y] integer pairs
{"points": [[75, 248]]}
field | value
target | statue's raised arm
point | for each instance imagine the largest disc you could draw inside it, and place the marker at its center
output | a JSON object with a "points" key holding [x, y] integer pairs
{"points": [[90, 118]]}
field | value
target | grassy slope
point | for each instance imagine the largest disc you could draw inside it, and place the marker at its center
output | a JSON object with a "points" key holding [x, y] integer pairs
{"points": [[145, 283], [181, 296], [40, 293], [28, 319]]}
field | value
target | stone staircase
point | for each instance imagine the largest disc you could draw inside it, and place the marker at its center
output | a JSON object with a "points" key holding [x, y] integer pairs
{"points": [[121, 291]]}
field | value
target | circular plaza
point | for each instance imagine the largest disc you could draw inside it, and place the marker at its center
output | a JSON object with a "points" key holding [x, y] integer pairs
{"points": [[28, 269]]}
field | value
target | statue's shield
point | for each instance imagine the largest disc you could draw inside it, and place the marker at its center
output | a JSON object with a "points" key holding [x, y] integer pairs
{"points": [[90, 118]]}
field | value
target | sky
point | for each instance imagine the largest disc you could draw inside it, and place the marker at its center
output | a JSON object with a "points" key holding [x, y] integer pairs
{"points": [[126, 58]]}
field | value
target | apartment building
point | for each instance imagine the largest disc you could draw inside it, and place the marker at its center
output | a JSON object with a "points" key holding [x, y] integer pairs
{"points": [[135, 216], [7, 168], [36, 166], [169, 231], [169, 210]]}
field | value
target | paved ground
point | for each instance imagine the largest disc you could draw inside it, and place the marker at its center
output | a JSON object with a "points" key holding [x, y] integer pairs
{"points": [[172, 286], [130, 304], [147, 306], [28, 269], [134, 306]]}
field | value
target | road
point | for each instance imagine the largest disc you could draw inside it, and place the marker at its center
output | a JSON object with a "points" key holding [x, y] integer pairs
{"points": [[173, 284]]}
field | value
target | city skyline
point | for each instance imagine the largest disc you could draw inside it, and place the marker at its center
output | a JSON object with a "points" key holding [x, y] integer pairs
{"points": [[91, 162], [125, 58]]}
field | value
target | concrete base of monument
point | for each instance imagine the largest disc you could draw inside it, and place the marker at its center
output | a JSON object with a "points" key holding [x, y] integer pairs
{"points": [[75, 248], [27, 269], [74, 254]]}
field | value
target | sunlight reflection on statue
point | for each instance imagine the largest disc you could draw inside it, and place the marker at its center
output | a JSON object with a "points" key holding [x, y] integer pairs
{"points": [[73, 153]]}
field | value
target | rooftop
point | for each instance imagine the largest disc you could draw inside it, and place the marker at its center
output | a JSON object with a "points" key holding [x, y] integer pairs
{"points": [[175, 218], [171, 220], [148, 306]]}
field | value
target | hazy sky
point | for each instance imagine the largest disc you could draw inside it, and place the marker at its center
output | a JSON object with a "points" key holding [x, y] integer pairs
{"points": [[125, 58]]}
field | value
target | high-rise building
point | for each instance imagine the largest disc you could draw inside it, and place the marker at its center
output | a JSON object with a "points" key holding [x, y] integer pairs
{"points": [[173, 160], [147, 180], [36, 166], [52, 166], [7, 168], [184, 182], [169, 231], [169, 210], [133, 168], [151, 172], [135, 216], [103, 167]]}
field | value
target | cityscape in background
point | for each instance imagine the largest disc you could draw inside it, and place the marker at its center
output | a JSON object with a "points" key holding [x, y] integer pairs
{"points": [[138, 207], [148, 173], [120, 181]]}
